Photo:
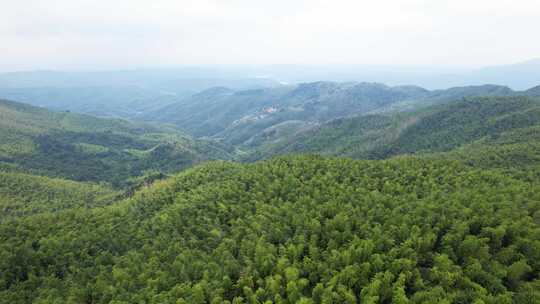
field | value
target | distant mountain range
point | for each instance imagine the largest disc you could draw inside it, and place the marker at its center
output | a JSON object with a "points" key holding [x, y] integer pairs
{"points": [[518, 76], [129, 93], [243, 107], [114, 93], [172, 80], [240, 117]]}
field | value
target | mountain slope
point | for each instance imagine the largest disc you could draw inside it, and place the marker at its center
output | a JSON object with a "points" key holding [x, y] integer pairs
{"points": [[434, 129], [293, 230], [24, 194], [466, 91], [86, 148], [210, 112], [462, 122], [533, 91]]}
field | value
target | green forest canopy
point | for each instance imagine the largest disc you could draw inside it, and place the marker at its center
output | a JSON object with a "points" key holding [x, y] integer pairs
{"points": [[290, 230]]}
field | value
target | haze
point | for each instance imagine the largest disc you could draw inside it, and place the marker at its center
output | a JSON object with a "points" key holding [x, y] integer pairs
{"points": [[85, 34]]}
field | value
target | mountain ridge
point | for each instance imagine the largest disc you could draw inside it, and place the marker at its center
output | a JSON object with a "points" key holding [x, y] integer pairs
{"points": [[236, 116], [383, 135]]}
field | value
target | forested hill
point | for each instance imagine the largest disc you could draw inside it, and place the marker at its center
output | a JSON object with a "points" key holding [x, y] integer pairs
{"points": [[212, 111], [24, 194], [86, 148], [438, 128], [290, 230]]}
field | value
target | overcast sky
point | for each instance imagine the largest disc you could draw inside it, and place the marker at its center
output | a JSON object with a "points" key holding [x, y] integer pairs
{"points": [[105, 34]]}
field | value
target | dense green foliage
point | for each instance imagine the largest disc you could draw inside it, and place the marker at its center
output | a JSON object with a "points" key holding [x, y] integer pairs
{"points": [[289, 230], [516, 153], [23, 194], [354, 136], [457, 123], [86, 148]]}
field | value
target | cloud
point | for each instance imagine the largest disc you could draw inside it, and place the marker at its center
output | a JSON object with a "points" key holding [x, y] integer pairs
{"points": [[108, 34]]}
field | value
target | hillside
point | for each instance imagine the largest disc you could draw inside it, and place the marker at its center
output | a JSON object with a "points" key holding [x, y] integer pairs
{"points": [[23, 194], [434, 129], [86, 148], [462, 122], [289, 230], [466, 91], [221, 112], [533, 91]]}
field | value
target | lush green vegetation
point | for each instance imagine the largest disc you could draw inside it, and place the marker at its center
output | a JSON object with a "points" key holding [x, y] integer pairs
{"points": [[290, 230], [23, 195], [516, 153], [344, 137], [457, 123], [85, 148]]}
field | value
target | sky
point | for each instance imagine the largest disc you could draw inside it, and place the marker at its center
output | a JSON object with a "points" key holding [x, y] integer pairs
{"points": [[109, 34]]}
